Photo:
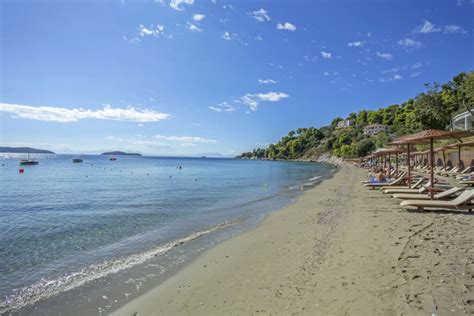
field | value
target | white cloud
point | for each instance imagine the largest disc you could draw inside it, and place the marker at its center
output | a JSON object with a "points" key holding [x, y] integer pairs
{"points": [[260, 15], [64, 115], [151, 31], [227, 36], [395, 77], [223, 107], [194, 28], [355, 44], [176, 4], [186, 139], [232, 36], [266, 81], [416, 65], [426, 28], [326, 73], [253, 100], [386, 56], [198, 17], [286, 26], [415, 74], [452, 28], [409, 43], [326, 55]]}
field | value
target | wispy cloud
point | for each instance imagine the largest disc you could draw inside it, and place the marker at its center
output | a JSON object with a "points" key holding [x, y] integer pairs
{"points": [[64, 115], [266, 81], [386, 56], [198, 17], [177, 4], [287, 26], [326, 55], [426, 27], [193, 28], [416, 65], [232, 36], [355, 44], [223, 107], [186, 139], [151, 30], [227, 36], [260, 15], [395, 77], [452, 28], [409, 43], [253, 100]]}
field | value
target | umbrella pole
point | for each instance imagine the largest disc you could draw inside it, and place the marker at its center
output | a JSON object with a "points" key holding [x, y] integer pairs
{"points": [[396, 163], [444, 160], [459, 156], [389, 164], [409, 166], [432, 168]]}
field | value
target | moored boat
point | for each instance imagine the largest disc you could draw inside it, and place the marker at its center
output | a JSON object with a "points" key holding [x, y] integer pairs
{"points": [[28, 162], [77, 160]]}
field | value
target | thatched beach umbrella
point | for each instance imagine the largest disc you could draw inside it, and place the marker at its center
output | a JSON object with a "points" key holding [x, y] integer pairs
{"points": [[431, 135]]}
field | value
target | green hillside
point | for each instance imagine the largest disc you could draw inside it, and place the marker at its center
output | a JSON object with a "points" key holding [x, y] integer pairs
{"points": [[435, 107]]}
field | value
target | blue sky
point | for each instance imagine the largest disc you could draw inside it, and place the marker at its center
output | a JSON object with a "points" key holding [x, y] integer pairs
{"points": [[185, 77]]}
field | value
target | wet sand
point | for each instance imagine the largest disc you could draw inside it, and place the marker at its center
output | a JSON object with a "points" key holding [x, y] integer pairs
{"points": [[340, 249]]}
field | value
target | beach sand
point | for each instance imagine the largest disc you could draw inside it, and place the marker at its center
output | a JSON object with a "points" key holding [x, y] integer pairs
{"points": [[339, 249]]}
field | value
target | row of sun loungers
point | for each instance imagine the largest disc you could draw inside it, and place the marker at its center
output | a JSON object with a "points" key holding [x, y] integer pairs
{"points": [[418, 197]]}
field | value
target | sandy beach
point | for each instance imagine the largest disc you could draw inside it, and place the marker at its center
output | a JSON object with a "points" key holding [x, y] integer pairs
{"points": [[339, 249]]}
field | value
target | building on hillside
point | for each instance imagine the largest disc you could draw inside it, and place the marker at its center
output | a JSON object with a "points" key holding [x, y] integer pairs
{"points": [[345, 124], [374, 129], [463, 122]]}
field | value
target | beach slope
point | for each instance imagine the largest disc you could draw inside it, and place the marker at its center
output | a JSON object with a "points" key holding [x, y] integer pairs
{"points": [[340, 249]]}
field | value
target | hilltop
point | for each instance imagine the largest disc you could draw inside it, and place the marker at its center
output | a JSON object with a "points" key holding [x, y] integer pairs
{"points": [[25, 150], [120, 153]]}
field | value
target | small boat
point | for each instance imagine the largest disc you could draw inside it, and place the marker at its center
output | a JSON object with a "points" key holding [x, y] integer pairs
{"points": [[28, 161], [77, 160], [113, 158], [24, 162]]}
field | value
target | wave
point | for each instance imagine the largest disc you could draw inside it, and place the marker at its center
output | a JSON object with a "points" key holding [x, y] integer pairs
{"points": [[311, 182], [46, 288]]}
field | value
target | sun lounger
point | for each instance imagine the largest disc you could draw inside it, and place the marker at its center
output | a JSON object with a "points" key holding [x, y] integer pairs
{"points": [[381, 184], [415, 185], [462, 202], [440, 196], [406, 190]]}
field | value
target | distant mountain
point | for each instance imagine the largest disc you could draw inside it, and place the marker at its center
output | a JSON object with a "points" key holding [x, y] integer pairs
{"points": [[25, 150], [119, 153]]}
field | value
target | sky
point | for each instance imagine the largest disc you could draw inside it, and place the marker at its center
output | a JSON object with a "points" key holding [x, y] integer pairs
{"points": [[193, 77]]}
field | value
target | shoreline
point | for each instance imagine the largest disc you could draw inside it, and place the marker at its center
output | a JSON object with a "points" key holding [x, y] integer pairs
{"points": [[338, 249]]}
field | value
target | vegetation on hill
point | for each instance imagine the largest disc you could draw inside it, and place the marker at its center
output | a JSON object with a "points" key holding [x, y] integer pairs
{"points": [[25, 150], [120, 153], [433, 108]]}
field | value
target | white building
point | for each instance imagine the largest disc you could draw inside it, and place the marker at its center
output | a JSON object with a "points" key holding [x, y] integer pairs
{"points": [[463, 122], [373, 129], [344, 123]]}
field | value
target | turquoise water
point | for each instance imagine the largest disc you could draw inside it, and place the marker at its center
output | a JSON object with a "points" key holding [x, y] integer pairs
{"points": [[65, 226]]}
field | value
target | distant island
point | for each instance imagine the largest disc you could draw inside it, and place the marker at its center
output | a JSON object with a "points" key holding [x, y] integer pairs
{"points": [[119, 153], [24, 150]]}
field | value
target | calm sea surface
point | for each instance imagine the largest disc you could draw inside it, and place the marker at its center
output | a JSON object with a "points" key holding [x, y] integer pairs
{"points": [[86, 237]]}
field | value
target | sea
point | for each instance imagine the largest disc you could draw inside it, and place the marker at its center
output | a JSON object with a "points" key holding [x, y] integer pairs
{"points": [[86, 238]]}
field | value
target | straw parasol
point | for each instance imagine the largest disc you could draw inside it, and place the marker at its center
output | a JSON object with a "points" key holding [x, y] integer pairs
{"points": [[431, 135]]}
